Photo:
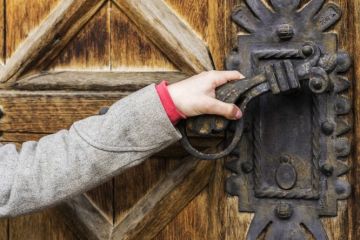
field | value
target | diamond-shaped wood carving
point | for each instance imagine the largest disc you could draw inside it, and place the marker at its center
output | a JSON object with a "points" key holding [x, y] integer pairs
{"points": [[178, 43]]}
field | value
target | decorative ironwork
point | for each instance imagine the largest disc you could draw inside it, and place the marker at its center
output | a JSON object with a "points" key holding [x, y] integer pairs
{"points": [[290, 149]]}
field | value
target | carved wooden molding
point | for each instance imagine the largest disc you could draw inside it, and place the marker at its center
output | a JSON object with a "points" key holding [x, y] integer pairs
{"points": [[178, 42], [171, 35], [52, 35], [152, 212], [94, 81]]}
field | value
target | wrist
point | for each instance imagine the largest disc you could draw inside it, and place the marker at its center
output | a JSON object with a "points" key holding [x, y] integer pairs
{"points": [[174, 114]]}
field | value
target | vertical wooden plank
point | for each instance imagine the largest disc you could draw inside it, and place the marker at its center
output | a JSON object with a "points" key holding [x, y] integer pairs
{"points": [[38, 226], [354, 22], [131, 50], [220, 32], [90, 49], [195, 13], [4, 229], [4, 223], [2, 31], [217, 202]]}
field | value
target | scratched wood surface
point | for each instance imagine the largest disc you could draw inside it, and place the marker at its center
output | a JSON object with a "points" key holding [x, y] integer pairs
{"points": [[110, 41]]}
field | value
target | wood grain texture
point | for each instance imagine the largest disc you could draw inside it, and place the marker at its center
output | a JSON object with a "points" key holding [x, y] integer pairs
{"points": [[50, 37], [211, 20], [41, 225], [354, 23], [22, 17], [131, 50], [191, 222], [2, 33], [95, 81], [4, 229], [144, 177], [85, 218], [203, 218], [174, 38], [157, 208], [211, 214], [90, 48], [48, 112]]}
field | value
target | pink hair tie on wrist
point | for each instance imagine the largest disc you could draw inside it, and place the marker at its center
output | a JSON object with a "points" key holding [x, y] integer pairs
{"points": [[171, 110]]}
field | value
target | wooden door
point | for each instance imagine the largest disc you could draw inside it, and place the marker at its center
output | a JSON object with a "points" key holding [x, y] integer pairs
{"points": [[64, 60]]}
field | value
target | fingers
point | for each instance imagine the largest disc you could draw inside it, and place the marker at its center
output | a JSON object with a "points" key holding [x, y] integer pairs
{"points": [[222, 77], [227, 110]]}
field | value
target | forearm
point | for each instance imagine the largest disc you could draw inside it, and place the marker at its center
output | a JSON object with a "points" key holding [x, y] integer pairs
{"points": [[91, 151]]}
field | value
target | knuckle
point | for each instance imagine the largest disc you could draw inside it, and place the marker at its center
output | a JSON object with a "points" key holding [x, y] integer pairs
{"points": [[208, 107]]}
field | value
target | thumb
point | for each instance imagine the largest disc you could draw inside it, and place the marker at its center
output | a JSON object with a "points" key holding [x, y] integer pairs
{"points": [[227, 110]]}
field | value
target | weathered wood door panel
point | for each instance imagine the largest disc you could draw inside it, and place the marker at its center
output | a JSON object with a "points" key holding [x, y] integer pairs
{"points": [[63, 60]]}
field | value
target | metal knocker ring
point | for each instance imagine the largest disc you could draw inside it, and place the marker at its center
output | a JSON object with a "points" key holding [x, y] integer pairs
{"points": [[208, 156]]}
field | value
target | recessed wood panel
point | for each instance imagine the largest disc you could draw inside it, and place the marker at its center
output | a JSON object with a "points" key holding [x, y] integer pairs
{"points": [[90, 48], [130, 49]]}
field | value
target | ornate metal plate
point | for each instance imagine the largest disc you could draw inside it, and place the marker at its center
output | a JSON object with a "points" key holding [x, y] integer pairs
{"points": [[287, 166]]}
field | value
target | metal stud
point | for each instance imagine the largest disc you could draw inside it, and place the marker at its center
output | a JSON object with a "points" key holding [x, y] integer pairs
{"points": [[328, 127], [342, 147], [327, 169], [342, 127], [284, 211]]}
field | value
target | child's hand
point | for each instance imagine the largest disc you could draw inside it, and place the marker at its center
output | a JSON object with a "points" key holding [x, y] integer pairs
{"points": [[196, 95]]}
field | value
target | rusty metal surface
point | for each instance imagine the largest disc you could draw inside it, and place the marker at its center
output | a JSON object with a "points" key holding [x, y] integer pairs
{"points": [[287, 153]]}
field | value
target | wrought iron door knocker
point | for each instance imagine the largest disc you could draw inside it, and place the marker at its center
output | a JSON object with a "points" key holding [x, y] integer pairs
{"points": [[286, 165]]}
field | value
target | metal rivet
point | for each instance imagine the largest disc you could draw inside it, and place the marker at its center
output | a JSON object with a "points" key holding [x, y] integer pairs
{"points": [[327, 169], [307, 50], [328, 128], [247, 167], [284, 211]]}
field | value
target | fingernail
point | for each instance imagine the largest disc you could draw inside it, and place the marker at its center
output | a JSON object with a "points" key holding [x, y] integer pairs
{"points": [[238, 114]]}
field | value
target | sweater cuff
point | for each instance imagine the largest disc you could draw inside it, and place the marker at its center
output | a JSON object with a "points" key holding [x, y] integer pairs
{"points": [[172, 112]]}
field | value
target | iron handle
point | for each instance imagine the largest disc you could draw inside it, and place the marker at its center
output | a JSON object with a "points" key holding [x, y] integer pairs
{"points": [[277, 78]]}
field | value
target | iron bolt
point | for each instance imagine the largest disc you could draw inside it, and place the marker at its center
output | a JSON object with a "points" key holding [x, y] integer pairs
{"points": [[284, 211], [328, 127], [327, 169], [247, 167]]}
